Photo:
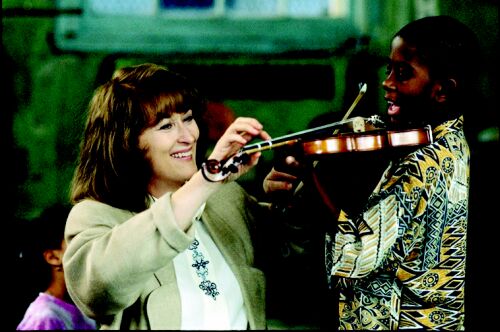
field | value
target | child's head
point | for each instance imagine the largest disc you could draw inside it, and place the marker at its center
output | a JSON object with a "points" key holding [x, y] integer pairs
{"points": [[447, 46], [46, 244], [433, 65]]}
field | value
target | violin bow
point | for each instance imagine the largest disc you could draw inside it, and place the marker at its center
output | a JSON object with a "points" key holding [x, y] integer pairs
{"points": [[360, 95], [230, 165], [294, 137]]}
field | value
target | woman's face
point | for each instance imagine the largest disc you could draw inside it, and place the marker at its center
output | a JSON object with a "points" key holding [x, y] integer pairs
{"points": [[410, 91], [171, 150]]}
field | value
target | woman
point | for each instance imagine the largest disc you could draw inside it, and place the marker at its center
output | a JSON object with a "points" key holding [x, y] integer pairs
{"points": [[153, 242]]}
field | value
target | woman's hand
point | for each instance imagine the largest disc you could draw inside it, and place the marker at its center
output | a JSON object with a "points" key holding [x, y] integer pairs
{"points": [[238, 134]]}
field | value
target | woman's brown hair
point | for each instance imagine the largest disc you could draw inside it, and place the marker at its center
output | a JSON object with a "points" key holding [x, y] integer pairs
{"points": [[111, 168]]}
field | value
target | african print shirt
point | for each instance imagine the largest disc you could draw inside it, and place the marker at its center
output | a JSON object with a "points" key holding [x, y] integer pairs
{"points": [[401, 264]]}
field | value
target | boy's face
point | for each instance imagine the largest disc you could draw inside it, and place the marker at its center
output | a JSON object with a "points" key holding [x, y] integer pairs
{"points": [[410, 91]]}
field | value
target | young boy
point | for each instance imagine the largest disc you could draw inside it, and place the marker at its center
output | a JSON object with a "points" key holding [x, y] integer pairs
{"points": [[399, 262], [52, 309]]}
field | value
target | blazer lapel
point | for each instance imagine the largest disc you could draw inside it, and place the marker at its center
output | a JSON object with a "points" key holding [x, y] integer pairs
{"points": [[226, 237]]}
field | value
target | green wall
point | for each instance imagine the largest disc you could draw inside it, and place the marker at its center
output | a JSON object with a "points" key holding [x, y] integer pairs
{"points": [[51, 90]]}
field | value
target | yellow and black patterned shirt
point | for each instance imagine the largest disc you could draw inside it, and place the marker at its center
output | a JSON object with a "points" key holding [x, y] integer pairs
{"points": [[401, 263]]}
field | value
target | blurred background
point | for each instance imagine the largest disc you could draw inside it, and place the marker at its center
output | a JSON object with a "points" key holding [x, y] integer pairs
{"points": [[286, 62]]}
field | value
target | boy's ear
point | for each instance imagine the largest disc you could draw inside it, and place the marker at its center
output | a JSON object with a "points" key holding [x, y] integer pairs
{"points": [[53, 257], [444, 88]]}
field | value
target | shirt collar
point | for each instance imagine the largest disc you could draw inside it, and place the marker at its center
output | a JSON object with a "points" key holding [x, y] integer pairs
{"points": [[448, 126]]}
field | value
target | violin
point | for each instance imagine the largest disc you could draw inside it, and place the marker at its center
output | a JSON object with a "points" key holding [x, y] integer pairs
{"points": [[357, 134], [369, 141], [358, 140], [314, 142]]}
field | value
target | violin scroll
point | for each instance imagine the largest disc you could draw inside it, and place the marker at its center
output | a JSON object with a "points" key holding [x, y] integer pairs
{"points": [[216, 171]]}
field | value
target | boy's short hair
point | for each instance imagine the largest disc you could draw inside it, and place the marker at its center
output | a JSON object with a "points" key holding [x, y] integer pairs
{"points": [[447, 46], [49, 227], [44, 232]]}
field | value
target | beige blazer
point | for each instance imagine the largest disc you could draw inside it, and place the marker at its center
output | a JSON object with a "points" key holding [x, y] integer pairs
{"points": [[119, 265]]}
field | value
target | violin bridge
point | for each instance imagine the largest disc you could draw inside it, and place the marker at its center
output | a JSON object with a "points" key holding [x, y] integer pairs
{"points": [[358, 124]]}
